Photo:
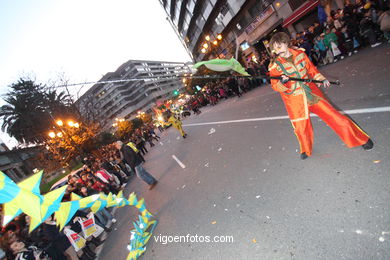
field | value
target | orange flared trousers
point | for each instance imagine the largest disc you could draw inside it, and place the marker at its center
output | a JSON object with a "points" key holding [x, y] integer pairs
{"points": [[344, 127]]}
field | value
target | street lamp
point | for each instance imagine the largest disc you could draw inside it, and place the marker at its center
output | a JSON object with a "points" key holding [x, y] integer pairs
{"points": [[208, 47], [70, 123], [60, 123], [52, 135]]}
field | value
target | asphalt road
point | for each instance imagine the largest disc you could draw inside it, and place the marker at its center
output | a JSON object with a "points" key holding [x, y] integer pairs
{"points": [[246, 180]]}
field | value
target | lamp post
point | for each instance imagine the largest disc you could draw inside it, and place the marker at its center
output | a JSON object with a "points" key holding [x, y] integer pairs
{"points": [[210, 45], [63, 132]]}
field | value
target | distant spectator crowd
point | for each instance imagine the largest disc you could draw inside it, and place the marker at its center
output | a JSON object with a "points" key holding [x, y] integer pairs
{"points": [[345, 31]]}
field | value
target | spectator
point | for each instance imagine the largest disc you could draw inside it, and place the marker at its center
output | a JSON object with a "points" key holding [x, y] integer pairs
{"points": [[384, 23], [134, 161]]}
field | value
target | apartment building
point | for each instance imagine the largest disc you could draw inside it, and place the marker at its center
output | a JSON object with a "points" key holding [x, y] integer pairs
{"points": [[135, 86], [244, 23]]}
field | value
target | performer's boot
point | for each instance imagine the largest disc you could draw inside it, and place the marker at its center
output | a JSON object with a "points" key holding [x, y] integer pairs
{"points": [[108, 230], [369, 145], [152, 185], [303, 156], [86, 257], [96, 241], [89, 253]]}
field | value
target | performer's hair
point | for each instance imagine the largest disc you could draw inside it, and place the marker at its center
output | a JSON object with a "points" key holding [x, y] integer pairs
{"points": [[280, 37]]}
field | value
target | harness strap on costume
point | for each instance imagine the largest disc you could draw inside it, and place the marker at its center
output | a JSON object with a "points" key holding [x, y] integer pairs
{"points": [[303, 85]]}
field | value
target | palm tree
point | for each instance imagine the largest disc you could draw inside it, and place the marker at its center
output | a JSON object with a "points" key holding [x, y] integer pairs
{"points": [[28, 114]]}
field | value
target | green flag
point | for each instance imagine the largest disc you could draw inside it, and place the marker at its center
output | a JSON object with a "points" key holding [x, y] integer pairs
{"points": [[223, 65]]}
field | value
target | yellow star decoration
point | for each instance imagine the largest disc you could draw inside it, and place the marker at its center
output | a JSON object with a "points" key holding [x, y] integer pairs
{"points": [[27, 200]]}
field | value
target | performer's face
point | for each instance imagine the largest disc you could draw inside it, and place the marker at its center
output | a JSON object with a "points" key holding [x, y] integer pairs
{"points": [[281, 49]]}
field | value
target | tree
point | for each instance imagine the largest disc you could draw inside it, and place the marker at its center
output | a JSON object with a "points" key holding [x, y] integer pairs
{"points": [[31, 109], [105, 138], [124, 129], [146, 118], [137, 123], [68, 142]]}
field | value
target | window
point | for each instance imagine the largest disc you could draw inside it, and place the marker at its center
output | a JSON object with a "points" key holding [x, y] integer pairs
{"points": [[294, 4], [224, 9], [191, 5], [244, 46], [256, 9], [207, 10]]}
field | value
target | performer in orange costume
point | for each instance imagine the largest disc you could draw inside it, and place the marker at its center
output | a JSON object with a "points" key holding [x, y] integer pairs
{"points": [[301, 98]]}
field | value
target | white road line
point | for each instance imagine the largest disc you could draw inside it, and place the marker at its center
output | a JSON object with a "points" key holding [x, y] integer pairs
{"points": [[349, 112], [178, 161]]}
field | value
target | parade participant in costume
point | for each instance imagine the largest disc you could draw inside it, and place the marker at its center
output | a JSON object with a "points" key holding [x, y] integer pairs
{"points": [[176, 123], [301, 98], [134, 161]]}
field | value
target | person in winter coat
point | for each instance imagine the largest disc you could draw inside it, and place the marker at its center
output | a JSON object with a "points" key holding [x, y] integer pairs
{"points": [[330, 41], [135, 162], [384, 23]]}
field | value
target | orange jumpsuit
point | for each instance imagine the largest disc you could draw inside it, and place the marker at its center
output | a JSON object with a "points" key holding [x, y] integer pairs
{"points": [[301, 98]]}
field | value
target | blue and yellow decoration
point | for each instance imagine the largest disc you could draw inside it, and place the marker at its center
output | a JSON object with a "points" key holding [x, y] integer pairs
{"points": [[26, 197]]}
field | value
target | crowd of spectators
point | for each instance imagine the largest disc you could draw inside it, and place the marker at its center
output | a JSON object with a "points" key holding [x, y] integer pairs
{"points": [[102, 172], [346, 31], [230, 86]]}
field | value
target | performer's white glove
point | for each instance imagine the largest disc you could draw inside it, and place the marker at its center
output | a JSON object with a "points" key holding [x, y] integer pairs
{"points": [[285, 79], [326, 83]]}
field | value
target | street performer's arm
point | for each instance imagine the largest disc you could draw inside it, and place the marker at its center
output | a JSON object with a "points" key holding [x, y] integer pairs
{"points": [[314, 73], [276, 84]]}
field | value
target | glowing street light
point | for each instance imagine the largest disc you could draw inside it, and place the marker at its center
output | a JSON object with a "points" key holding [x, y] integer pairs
{"points": [[52, 135], [207, 37], [219, 37], [215, 42], [59, 134], [203, 50], [76, 125], [70, 123], [60, 123], [205, 45]]}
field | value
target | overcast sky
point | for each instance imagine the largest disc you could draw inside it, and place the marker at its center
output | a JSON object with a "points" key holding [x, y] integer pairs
{"points": [[82, 39]]}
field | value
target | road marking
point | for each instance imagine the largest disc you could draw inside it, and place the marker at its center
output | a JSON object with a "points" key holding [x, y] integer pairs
{"points": [[178, 161], [349, 112]]}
